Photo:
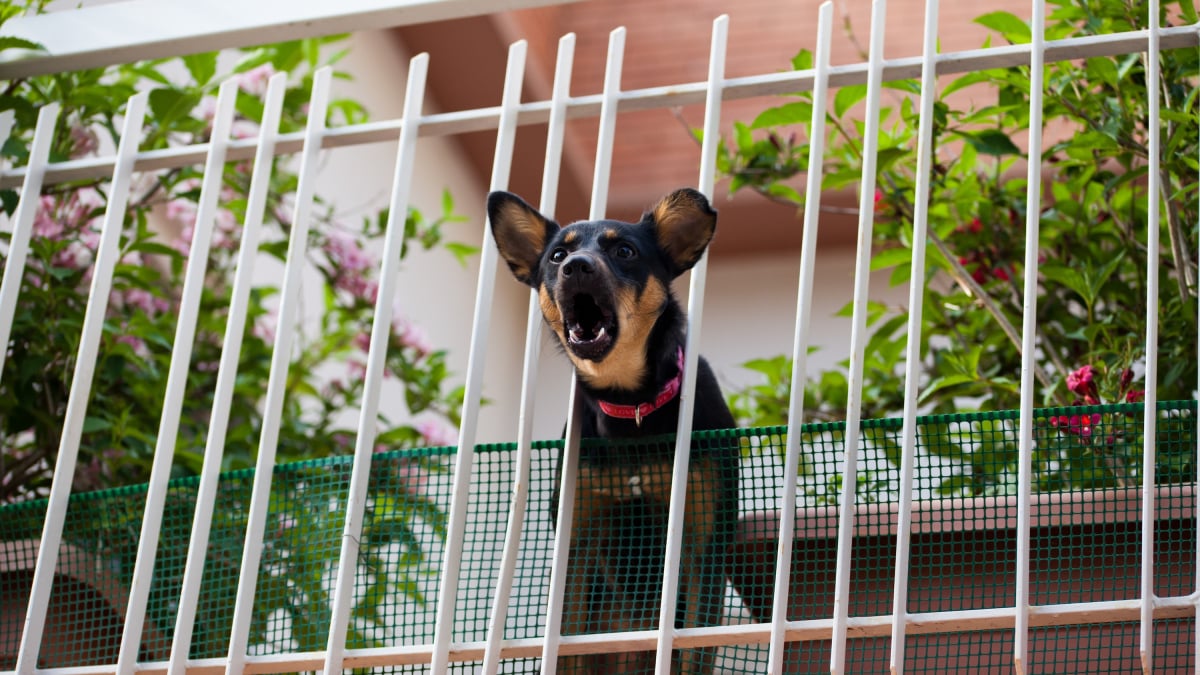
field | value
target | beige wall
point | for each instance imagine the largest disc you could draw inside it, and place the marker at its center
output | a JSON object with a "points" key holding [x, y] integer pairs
{"points": [[751, 301], [434, 290]]}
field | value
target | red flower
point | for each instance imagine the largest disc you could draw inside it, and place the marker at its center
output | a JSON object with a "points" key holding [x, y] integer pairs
{"points": [[1081, 425], [1126, 378], [1135, 396], [1082, 382]]}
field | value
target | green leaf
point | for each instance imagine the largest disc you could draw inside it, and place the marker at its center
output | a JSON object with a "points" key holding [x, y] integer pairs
{"points": [[955, 485], [743, 136], [169, 104], [944, 382], [788, 113], [803, 60], [201, 66], [94, 424], [847, 97], [990, 142], [12, 42], [936, 439], [891, 257], [966, 81], [1070, 278], [461, 251], [1007, 24]]}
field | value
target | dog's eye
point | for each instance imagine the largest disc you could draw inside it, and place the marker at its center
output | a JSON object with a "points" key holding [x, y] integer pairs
{"points": [[626, 251], [558, 255]]}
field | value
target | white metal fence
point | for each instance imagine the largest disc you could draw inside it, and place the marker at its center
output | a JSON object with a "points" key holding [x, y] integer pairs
{"points": [[442, 651]]}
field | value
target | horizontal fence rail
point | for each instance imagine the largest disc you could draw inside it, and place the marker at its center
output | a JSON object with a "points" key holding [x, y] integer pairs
{"points": [[848, 529]]}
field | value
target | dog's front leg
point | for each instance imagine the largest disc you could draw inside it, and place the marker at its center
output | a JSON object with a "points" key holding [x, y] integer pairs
{"points": [[701, 586], [582, 565]]}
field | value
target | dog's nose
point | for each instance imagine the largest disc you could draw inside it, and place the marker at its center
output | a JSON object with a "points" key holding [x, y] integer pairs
{"points": [[578, 263]]}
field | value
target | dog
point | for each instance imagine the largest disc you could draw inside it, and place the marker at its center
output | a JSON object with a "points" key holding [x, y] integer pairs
{"points": [[604, 288]]}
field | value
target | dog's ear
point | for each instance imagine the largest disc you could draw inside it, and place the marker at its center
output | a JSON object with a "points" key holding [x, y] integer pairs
{"points": [[521, 234], [684, 223]]}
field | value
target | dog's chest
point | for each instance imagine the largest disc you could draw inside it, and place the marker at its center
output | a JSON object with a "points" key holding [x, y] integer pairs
{"points": [[623, 482], [649, 481]]}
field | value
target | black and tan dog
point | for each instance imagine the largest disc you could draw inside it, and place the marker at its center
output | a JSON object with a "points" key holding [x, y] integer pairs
{"points": [[605, 290]]}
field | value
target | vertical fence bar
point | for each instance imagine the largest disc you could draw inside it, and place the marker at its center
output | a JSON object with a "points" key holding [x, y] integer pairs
{"points": [[177, 375], [533, 341], [1150, 413], [8, 118], [461, 491], [277, 384], [1196, 423], [206, 491], [804, 293], [381, 328], [1033, 205], [610, 97], [858, 340], [81, 383], [27, 207], [687, 398], [912, 353]]}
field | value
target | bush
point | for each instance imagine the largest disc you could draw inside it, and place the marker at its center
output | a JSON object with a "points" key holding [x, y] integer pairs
{"points": [[325, 382], [1091, 296]]}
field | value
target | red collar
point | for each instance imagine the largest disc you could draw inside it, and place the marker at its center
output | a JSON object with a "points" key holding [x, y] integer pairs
{"points": [[636, 412]]}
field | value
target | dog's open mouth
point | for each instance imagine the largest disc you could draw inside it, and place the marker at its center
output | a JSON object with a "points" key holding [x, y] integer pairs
{"points": [[590, 326]]}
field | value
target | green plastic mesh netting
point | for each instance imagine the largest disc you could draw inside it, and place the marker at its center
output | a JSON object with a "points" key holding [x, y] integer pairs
{"points": [[1086, 546]]}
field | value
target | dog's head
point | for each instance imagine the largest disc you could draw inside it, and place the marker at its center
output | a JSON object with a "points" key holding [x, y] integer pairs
{"points": [[603, 284]]}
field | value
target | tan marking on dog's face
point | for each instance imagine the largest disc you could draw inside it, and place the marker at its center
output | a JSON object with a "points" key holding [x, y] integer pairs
{"points": [[610, 233], [624, 367], [550, 312], [570, 237]]}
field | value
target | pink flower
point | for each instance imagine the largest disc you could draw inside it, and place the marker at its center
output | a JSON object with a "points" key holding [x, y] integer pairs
{"points": [[136, 343], [414, 476], [363, 341], [244, 129], [1135, 396], [1082, 382], [356, 371], [264, 329], [76, 256], [411, 336], [182, 211], [358, 285], [206, 109], [436, 433], [184, 243], [226, 228], [145, 301], [84, 141], [343, 251], [254, 81]]}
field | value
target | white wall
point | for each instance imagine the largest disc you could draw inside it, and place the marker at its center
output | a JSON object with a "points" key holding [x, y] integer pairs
{"points": [[434, 290], [750, 312], [751, 300]]}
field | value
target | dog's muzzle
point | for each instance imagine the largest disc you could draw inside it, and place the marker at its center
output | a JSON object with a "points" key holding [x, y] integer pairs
{"points": [[585, 300]]}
